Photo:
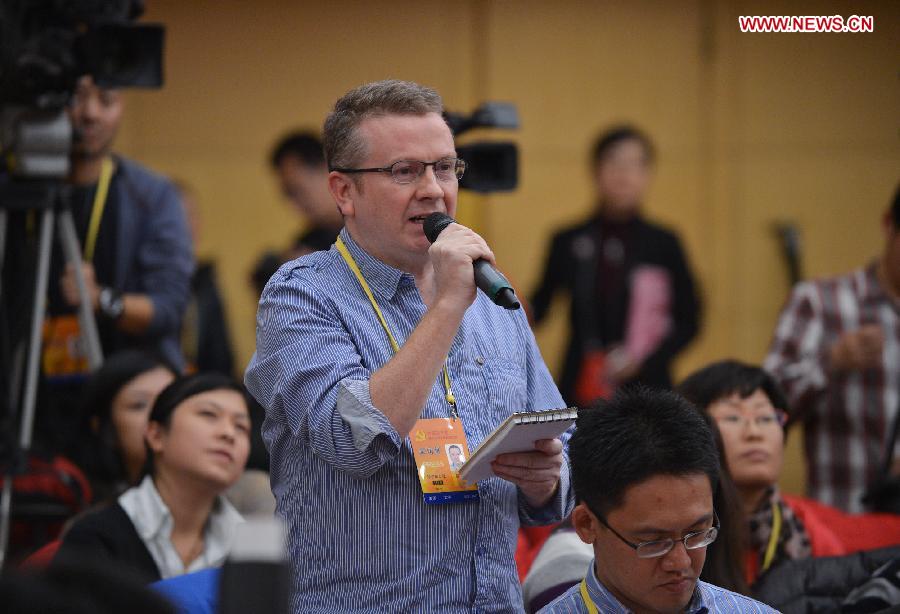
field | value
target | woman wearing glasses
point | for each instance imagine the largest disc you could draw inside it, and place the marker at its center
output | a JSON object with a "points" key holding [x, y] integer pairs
{"points": [[750, 411]]}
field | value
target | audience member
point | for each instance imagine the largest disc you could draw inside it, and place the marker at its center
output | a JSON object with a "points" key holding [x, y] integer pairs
{"points": [[115, 408], [299, 162], [749, 409], [836, 352], [633, 301], [205, 340], [176, 520], [341, 399], [644, 468]]}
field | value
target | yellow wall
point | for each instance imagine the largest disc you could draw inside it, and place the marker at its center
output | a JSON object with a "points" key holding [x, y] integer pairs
{"points": [[751, 128]]}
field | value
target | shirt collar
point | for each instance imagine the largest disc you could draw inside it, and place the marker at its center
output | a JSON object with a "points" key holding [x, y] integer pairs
{"points": [[152, 519], [382, 278], [606, 602], [148, 512]]}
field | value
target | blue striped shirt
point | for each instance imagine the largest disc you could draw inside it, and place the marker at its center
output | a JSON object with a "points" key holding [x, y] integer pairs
{"points": [[361, 537], [707, 598]]}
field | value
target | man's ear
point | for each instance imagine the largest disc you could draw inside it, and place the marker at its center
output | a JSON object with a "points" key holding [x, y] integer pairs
{"points": [[584, 522], [344, 191], [154, 436]]}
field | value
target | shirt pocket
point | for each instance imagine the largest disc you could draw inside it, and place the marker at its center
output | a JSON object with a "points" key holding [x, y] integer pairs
{"points": [[507, 385]]}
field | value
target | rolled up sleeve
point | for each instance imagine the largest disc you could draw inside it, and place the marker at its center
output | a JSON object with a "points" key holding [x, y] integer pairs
{"points": [[307, 371]]}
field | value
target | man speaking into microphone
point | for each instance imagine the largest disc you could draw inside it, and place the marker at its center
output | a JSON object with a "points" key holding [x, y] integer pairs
{"points": [[376, 357]]}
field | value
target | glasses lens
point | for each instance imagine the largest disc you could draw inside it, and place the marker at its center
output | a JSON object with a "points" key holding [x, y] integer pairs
{"points": [[649, 550], [406, 171], [445, 169], [699, 540]]}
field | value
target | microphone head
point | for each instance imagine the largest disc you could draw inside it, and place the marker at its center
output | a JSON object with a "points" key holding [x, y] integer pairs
{"points": [[435, 223]]}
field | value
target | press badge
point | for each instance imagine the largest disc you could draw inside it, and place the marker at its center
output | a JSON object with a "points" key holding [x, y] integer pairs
{"points": [[64, 358], [439, 446]]}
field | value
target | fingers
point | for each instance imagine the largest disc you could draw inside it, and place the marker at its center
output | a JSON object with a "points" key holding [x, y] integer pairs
{"points": [[69, 287], [542, 464], [459, 240]]}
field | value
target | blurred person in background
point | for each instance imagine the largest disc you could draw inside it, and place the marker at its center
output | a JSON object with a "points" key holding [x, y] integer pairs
{"points": [[299, 165], [137, 260], [634, 305], [176, 521], [836, 353], [205, 340], [115, 410]]}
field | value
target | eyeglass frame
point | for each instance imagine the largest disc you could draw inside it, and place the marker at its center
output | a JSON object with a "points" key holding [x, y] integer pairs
{"points": [[390, 169], [781, 419], [683, 540]]}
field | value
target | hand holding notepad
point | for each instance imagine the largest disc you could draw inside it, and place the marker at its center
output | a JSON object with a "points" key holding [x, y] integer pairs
{"points": [[516, 434]]}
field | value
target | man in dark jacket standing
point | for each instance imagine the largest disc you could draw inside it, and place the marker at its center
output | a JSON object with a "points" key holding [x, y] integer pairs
{"points": [[634, 302], [137, 257]]}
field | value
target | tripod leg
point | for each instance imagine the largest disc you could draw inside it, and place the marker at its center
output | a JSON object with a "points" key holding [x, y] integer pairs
{"points": [[34, 353], [37, 321], [87, 324]]}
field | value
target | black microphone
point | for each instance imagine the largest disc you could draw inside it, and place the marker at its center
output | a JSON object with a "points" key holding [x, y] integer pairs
{"points": [[488, 279]]}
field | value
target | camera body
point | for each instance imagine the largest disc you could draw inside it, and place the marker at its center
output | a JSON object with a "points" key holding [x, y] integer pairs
{"points": [[47, 46], [493, 166]]}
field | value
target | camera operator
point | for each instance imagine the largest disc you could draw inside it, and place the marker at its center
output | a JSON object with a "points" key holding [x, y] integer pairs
{"points": [[137, 255]]}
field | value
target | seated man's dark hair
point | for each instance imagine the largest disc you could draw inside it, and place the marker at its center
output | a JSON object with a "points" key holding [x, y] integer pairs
{"points": [[727, 377], [305, 146], [639, 434]]}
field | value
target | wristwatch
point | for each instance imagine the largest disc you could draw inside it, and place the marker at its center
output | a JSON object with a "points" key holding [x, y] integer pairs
{"points": [[111, 303]]}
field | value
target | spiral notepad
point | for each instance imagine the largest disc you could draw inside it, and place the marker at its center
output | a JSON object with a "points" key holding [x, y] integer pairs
{"points": [[516, 434]]}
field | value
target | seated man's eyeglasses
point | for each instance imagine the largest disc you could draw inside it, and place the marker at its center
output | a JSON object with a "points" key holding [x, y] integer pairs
{"points": [[660, 547], [408, 171]]}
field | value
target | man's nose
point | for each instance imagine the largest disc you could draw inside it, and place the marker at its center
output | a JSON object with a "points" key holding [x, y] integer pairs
{"points": [[428, 184], [677, 558]]}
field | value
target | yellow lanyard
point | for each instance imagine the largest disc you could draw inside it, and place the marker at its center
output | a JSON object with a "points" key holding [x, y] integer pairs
{"points": [[773, 538], [348, 258], [90, 243], [585, 596]]}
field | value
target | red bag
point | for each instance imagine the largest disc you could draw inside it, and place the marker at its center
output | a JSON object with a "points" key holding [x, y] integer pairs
{"points": [[50, 491]]}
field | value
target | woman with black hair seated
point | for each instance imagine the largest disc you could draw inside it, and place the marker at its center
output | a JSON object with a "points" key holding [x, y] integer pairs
{"points": [[115, 406], [176, 521]]}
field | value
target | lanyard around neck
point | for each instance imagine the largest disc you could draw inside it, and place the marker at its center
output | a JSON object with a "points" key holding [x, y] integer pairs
{"points": [[773, 538], [351, 262], [586, 597], [90, 243]]}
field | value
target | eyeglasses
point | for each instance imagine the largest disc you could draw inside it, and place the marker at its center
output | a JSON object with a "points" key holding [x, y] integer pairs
{"points": [[761, 422], [408, 171], [660, 547]]}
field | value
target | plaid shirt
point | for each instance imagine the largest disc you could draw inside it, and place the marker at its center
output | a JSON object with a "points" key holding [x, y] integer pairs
{"points": [[847, 416]]}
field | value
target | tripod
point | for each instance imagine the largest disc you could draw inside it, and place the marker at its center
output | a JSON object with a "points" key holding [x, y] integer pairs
{"points": [[50, 199]]}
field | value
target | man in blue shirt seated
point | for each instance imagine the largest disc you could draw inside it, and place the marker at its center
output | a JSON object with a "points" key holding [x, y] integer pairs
{"points": [[644, 468], [379, 351]]}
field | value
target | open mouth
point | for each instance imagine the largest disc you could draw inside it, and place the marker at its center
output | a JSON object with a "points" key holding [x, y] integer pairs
{"points": [[418, 219]]}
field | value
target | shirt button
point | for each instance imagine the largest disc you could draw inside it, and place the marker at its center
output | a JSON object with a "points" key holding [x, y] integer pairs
{"points": [[479, 360]]}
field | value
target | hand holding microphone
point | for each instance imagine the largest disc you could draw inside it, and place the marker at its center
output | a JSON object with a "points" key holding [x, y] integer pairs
{"points": [[488, 279]]}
